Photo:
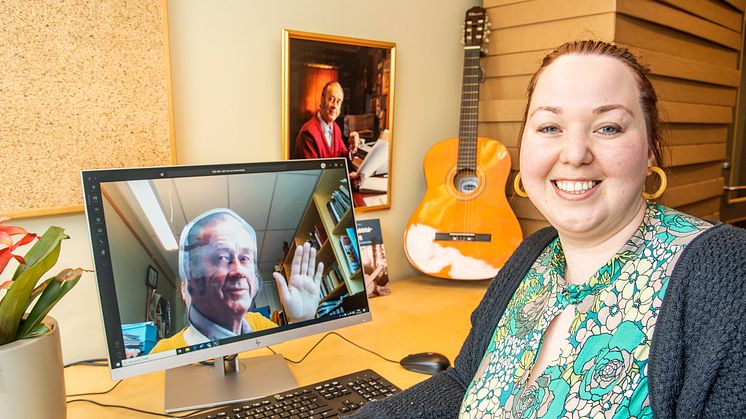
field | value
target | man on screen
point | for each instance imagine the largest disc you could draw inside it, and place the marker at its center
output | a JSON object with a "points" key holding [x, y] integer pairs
{"points": [[218, 269], [320, 136]]}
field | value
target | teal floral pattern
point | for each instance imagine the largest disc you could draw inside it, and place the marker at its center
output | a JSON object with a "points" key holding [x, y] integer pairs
{"points": [[601, 370]]}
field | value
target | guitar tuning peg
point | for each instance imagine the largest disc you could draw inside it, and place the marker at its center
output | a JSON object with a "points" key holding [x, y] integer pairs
{"points": [[486, 40]]}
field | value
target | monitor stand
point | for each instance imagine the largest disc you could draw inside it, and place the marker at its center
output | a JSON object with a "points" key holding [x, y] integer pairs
{"points": [[229, 380]]}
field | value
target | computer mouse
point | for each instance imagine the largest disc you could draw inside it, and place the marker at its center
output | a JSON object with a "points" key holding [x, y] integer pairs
{"points": [[425, 362]]}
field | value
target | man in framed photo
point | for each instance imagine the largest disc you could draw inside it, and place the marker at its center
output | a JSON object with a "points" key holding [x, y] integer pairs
{"points": [[320, 136]]}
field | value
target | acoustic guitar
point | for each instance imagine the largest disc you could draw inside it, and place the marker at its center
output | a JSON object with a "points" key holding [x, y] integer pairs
{"points": [[464, 227]]}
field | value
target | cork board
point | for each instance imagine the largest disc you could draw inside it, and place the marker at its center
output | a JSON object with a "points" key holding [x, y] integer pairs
{"points": [[83, 85]]}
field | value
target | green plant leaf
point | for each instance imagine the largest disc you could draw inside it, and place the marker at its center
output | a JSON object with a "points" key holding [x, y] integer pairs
{"points": [[55, 289], [40, 329], [18, 297], [46, 244]]}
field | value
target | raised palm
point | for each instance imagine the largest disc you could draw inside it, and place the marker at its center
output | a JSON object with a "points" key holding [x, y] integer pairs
{"points": [[300, 295]]}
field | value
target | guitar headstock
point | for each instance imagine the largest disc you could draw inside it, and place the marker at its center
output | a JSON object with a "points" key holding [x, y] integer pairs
{"points": [[476, 28]]}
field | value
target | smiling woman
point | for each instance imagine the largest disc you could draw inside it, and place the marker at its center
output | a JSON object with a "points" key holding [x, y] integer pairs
{"points": [[574, 324]]}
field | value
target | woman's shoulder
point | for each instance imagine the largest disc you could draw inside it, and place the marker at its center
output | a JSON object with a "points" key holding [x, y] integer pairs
{"points": [[713, 237], [713, 265], [699, 332], [719, 245]]}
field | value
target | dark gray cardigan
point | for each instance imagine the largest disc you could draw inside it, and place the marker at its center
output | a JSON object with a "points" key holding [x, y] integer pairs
{"points": [[697, 364]]}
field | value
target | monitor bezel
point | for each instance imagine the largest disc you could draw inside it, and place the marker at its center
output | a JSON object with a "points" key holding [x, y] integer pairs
{"points": [[105, 286]]}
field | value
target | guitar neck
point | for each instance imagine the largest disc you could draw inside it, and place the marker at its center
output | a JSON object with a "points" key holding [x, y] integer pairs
{"points": [[467, 146]]}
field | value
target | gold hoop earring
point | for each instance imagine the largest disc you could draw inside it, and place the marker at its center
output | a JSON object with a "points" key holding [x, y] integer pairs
{"points": [[661, 188], [517, 186]]}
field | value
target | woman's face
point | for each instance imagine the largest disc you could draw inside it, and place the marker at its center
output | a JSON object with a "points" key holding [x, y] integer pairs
{"points": [[584, 150]]}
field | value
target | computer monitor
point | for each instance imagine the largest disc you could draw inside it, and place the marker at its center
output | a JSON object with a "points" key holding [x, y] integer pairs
{"points": [[188, 261]]}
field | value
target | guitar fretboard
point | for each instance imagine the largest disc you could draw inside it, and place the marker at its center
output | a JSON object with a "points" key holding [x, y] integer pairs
{"points": [[467, 145]]}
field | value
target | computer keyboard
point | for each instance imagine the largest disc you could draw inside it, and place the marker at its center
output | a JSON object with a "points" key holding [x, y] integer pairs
{"points": [[327, 399]]}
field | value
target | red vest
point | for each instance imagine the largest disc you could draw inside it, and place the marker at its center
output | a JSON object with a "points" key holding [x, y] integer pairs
{"points": [[311, 143]]}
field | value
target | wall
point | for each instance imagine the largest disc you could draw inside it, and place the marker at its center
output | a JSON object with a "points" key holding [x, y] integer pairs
{"points": [[132, 291], [226, 64], [131, 297], [733, 209], [226, 80]]}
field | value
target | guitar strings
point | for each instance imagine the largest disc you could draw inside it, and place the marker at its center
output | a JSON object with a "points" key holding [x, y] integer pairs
{"points": [[469, 133], [463, 137], [470, 118]]}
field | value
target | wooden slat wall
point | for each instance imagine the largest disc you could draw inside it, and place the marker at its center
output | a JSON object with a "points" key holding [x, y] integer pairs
{"points": [[692, 48]]}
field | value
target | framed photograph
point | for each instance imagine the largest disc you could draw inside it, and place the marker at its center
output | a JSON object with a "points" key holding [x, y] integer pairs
{"points": [[152, 279], [338, 93]]}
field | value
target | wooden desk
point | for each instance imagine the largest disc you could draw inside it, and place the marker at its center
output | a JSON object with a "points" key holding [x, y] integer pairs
{"points": [[421, 314]]}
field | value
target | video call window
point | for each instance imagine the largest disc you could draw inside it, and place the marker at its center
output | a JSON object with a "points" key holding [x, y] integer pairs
{"points": [[196, 260]]}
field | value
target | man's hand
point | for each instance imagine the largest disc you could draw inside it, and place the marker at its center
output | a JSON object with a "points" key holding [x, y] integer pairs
{"points": [[354, 142], [300, 297]]}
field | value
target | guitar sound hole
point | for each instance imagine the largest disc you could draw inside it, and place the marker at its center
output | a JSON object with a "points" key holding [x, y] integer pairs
{"points": [[466, 181]]}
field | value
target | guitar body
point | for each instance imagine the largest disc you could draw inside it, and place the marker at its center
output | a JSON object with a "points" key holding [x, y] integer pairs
{"points": [[463, 232]]}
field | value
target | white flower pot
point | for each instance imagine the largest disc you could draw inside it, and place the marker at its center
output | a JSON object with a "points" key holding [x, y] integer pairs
{"points": [[32, 378]]}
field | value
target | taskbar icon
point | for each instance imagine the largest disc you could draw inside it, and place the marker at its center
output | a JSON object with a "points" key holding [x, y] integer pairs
{"points": [[197, 347]]}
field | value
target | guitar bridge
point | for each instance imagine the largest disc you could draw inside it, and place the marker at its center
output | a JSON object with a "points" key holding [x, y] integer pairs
{"points": [[463, 237]]}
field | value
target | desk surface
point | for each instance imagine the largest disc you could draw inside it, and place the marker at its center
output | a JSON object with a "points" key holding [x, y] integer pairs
{"points": [[421, 314]]}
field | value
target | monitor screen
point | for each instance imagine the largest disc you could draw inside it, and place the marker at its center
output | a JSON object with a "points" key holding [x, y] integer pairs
{"points": [[198, 262]]}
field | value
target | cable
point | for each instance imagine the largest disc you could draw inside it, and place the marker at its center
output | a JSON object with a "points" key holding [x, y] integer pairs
{"points": [[95, 393], [147, 412], [116, 406], [102, 362], [95, 362], [324, 337]]}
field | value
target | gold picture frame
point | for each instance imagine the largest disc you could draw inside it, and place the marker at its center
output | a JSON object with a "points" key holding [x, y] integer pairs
{"points": [[365, 70]]}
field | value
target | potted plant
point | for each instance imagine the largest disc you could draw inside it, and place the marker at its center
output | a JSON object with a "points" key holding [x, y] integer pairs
{"points": [[31, 374]]}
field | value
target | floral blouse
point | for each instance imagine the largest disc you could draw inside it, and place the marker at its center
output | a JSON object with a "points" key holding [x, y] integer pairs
{"points": [[601, 370]]}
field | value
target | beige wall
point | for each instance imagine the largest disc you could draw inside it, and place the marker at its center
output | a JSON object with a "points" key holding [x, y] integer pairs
{"points": [[226, 59]]}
